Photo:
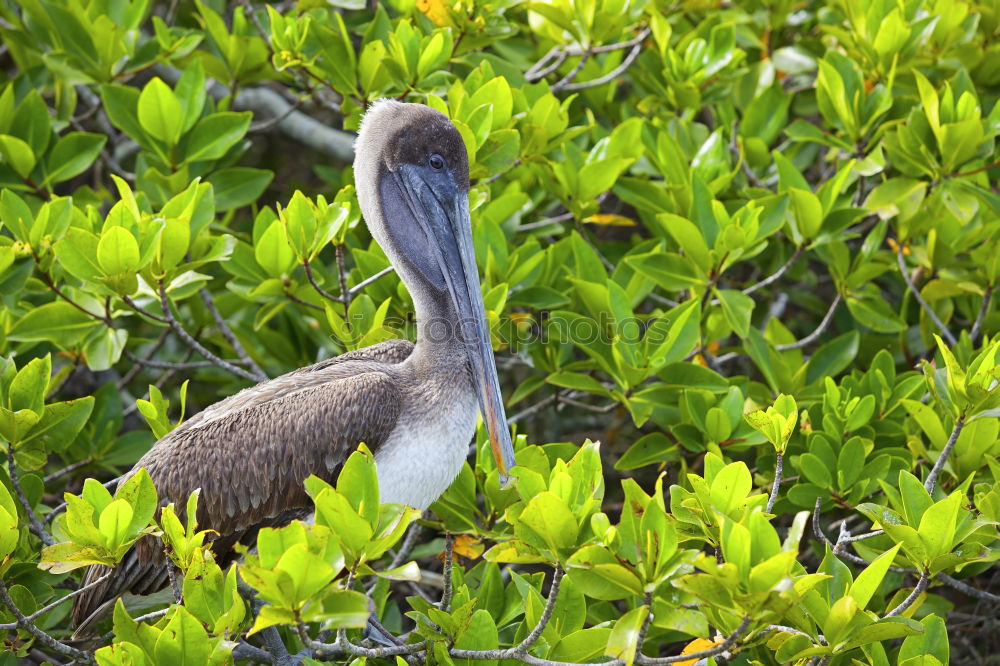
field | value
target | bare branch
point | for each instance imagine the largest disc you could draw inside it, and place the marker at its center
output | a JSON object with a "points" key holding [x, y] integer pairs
{"points": [[812, 337], [568, 79], [776, 486], [770, 279], [613, 74], [449, 552], [409, 542], [922, 584], [319, 290], [68, 469], [36, 525], [194, 344], [703, 654], [169, 365], [968, 589], [227, 333], [45, 609], [977, 327], [345, 294], [920, 299], [368, 280], [143, 311], [931, 481], [53, 644]]}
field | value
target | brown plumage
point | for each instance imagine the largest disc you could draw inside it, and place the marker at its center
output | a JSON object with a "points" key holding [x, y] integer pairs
{"points": [[247, 438], [415, 406]]}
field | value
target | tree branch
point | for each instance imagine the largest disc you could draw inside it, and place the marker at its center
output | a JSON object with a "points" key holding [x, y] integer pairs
{"points": [[776, 486], [913, 596], [695, 656], [194, 344], [45, 609], [931, 481], [227, 333], [770, 279], [36, 525], [53, 644], [968, 589], [809, 339], [920, 299], [977, 327], [319, 290], [368, 280]]}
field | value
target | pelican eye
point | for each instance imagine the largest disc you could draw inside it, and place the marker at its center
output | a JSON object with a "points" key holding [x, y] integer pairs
{"points": [[436, 161]]}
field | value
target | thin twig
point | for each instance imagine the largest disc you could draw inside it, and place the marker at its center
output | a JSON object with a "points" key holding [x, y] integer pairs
{"points": [[809, 339], [36, 525], [144, 312], [776, 486], [556, 54], [549, 221], [137, 368], [931, 481], [52, 643], [319, 290], [610, 76], [695, 656], [194, 344], [45, 609], [537, 407], [920, 299], [977, 327], [69, 469], [449, 551], [968, 589], [345, 294], [913, 596], [368, 280], [777, 274], [409, 542], [568, 79], [231, 338], [169, 365]]}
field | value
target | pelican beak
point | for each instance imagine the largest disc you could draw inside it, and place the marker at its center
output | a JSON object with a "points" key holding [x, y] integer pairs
{"points": [[447, 223]]}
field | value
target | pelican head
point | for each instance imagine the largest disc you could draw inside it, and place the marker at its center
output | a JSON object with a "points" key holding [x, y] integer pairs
{"points": [[412, 174]]}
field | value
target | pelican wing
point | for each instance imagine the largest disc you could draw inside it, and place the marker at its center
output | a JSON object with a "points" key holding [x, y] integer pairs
{"points": [[249, 455]]}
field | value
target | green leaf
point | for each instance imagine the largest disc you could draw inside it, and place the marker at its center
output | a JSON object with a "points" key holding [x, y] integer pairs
{"points": [[72, 155], [932, 642], [17, 154], [118, 251], [183, 641], [833, 357], [28, 389], [114, 523], [547, 522], [160, 112], [876, 315], [214, 135], [737, 307], [58, 322], [623, 643], [238, 186], [868, 581]]}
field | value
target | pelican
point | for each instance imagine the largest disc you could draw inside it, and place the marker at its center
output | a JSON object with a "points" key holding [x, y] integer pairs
{"points": [[413, 405]]}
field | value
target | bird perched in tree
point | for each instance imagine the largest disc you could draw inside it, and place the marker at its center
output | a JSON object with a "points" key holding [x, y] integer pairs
{"points": [[413, 405]]}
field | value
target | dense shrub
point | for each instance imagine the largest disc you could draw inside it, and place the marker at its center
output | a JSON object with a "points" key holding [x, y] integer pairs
{"points": [[749, 248]]}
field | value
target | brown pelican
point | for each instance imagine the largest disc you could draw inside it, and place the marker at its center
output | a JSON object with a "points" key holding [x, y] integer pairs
{"points": [[413, 405]]}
